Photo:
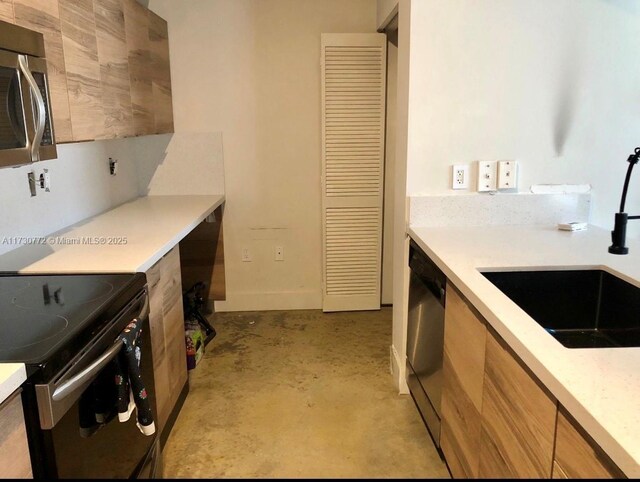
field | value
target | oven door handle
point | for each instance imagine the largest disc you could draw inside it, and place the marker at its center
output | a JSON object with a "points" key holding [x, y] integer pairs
{"points": [[39, 103], [89, 372], [78, 380]]}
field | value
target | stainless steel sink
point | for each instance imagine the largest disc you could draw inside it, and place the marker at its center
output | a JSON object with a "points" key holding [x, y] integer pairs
{"points": [[581, 309]]}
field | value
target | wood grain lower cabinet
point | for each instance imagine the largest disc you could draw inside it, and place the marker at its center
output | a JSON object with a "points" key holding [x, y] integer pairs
{"points": [[80, 45], [15, 462], [44, 16], [518, 418], [160, 74], [113, 57], [166, 320], [577, 456], [463, 375]]}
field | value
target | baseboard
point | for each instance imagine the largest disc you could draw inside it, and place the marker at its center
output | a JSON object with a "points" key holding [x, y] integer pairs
{"points": [[398, 371], [267, 301]]}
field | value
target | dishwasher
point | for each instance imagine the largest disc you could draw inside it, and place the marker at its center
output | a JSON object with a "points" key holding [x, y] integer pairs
{"points": [[425, 337]]}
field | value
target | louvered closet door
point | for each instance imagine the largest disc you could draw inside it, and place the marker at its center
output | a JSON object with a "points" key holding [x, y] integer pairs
{"points": [[353, 115]]}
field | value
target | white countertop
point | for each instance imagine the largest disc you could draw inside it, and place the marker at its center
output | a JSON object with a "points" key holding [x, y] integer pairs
{"points": [[12, 375], [150, 225], [599, 387], [136, 235]]}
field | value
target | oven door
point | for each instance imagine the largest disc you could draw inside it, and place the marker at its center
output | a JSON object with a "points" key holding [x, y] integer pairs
{"points": [[86, 439], [14, 118]]}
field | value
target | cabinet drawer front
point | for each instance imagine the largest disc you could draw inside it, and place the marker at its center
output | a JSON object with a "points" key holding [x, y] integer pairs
{"points": [[464, 344], [461, 422], [463, 373], [518, 418], [577, 456], [14, 449]]}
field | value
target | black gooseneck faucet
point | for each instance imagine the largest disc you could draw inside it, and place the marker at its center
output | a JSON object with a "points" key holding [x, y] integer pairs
{"points": [[619, 233]]}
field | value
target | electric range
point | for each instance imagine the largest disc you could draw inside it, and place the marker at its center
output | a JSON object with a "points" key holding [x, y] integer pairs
{"points": [[63, 328]]}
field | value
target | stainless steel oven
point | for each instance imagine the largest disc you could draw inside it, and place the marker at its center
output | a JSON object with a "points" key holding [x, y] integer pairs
{"points": [[26, 127]]}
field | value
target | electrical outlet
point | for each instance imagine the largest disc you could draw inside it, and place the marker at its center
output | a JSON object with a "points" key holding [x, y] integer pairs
{"points": [[45, 180], [246, 255], [113, 166], [460, 176], [279, 253], [487, 173], [507, 175]]}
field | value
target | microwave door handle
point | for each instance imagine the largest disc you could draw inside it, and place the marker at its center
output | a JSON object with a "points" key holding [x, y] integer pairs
{"points": [[39, 102], [80, 379]]}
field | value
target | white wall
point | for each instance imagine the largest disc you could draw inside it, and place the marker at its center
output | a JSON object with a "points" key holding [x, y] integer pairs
{"points": [[80, 187], [251, 70], [400, 239], [553, 84], [180, 163]]}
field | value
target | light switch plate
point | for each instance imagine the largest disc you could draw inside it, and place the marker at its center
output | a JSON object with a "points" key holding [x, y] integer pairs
{"points": [[487, 174], [507, 175], [460, 176]]}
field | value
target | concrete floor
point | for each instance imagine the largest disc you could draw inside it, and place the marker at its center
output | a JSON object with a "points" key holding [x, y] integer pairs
{"points": [[299, 394]]}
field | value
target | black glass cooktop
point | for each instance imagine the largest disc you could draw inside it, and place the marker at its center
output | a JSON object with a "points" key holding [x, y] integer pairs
{"points": [[40, 315]]}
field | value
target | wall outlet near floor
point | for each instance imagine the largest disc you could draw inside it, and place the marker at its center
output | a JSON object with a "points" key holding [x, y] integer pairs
{"points": [[460, 176], [279, 253], [507, 175], [487, 174], [246, 255]]}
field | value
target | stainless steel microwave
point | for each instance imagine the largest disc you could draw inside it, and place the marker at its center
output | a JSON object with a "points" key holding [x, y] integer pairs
{"points": [[26, 127]]}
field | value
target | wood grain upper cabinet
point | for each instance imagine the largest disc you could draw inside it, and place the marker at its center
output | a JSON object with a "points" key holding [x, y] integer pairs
{"points": [[463, 375], [6, 10], [518, 418], [84, 83], [44, 16], [160, 74], [113, 56], [577, 456], [15, 461], [136, 21]]}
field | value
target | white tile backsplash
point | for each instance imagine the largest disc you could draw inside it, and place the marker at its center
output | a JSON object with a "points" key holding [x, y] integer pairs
{"points": [[499, 209]]}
